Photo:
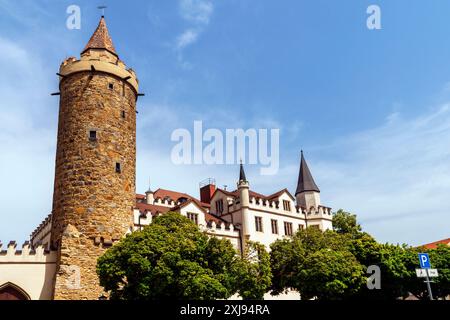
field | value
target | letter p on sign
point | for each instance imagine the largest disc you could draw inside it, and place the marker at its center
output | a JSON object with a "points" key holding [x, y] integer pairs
{"points": [[424, 260]]}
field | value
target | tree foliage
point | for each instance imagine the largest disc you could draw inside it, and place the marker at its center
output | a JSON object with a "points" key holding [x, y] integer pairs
{"points": [[332, 264], [172, 258], [345, 223], [316, 264], [253, 273]]}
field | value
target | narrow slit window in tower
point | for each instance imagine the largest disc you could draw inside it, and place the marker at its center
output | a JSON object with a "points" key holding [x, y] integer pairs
{"points": [[111, 86], [93, 135], [123, 114], [118, 168]]}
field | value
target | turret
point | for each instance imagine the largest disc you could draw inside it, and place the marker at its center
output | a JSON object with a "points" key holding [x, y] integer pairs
{"points": [[307, 193], [244, 197]]}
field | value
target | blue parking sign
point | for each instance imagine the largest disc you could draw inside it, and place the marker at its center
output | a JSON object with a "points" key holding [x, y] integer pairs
{"points": [[424, 260]]}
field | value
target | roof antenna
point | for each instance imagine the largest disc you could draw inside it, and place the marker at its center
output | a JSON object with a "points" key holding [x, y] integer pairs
{"points": [[103, 10]]}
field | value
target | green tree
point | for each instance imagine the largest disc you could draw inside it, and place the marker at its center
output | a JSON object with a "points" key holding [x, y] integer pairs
{"points": [[253, 274], [317, 264], [345, 223], [397, 263], [170, 258]]}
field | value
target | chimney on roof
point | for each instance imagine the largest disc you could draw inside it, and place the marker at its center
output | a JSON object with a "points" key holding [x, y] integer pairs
{"points": [[207, 189]]}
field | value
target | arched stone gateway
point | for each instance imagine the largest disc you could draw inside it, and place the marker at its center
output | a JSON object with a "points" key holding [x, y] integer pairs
{"points": [[10, 291]]}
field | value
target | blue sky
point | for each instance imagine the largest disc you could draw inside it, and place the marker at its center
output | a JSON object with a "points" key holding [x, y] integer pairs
{"points": [[371, 108]]}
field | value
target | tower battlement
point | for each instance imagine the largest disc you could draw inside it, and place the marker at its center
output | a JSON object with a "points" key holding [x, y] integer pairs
{"points": [[27, 254], [99, 61]]}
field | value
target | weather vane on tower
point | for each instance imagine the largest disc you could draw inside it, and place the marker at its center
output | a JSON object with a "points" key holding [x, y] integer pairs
{"points": [[103, 9]]}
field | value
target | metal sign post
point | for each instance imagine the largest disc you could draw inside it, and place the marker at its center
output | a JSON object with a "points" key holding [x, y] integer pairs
{"points": [[429, 285], [424, 261]]}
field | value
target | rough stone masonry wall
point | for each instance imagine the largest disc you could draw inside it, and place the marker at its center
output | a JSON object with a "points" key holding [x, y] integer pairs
{"points": [[92, 204]]}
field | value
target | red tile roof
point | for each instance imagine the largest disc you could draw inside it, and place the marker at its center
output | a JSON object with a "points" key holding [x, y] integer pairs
{"points": [[153, 209], [174, 195], [434, 245], [235, 193], [101, 39]]}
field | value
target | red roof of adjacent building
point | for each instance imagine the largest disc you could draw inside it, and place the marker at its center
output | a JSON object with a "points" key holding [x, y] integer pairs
{"points": [[433, 245], [173, 195], [152, 208]]}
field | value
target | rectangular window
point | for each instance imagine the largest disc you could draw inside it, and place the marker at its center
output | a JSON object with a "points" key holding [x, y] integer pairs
{"points": [[315, 226], [274, 224], [93, 135], [110, 86], [301, 227], [288, 228], [258, 224], [286, 205], [193, 217], [219, 206], [123, 114], [118, 168]]}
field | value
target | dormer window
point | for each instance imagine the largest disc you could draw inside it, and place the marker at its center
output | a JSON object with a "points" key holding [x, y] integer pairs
{"points": [[219, 206], [286, 205]]}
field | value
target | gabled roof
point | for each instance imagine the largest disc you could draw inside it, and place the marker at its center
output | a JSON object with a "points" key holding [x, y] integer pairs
{"points": [[279, 193], [305, 179], [101, 39], [197, 203]]}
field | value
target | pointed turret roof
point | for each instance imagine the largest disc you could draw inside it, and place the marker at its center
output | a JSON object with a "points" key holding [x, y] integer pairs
{"points": [[305, 179], [242, 173], [101, 39]]}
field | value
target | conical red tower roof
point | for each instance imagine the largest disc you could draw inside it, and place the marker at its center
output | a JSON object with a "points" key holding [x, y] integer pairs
{"points": [[101, 39]]}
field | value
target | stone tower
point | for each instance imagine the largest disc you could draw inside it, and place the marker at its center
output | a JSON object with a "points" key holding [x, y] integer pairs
{"points": [[94, 189]]}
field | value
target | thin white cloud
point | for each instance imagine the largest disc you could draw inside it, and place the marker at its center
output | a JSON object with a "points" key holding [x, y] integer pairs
{"points": [[197, 11], [187, 38]]}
